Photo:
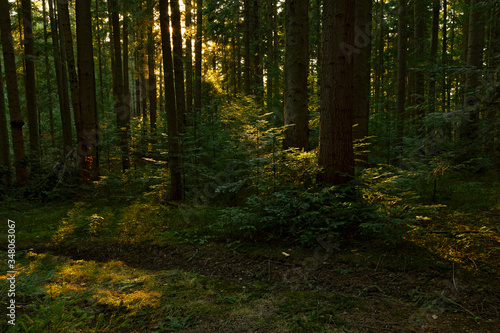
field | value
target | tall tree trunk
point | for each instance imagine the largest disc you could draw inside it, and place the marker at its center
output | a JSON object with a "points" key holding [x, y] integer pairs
{"points": [[270, 55], [362, 69], [99, 57], [401, 74], [436, 5], [336, 153], [4, 138], [47, 76], [296, 69], [152, 76], [180, 98], [198, 60], [121, 105], [173, 145], [444, 55], [189, 62], [62, 82], [379, 75], [30, 82], [126, 67], [465, 46], [87, 148], [419, 11], [246, 55], [475, 62], [16, 119], [256, 41], [70, 58]]}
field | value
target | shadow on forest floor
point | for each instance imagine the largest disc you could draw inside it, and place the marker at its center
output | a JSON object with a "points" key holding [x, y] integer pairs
{"points": [[442, 278]]}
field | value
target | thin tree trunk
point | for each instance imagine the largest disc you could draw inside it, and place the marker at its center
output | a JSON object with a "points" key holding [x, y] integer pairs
{"points": [[47, 76], [99, 57], [70, 59], [4, 138], [189, 63], [198, 60], [180, 98], [401, 74], [16, 119], [30, 83], [152, 78], [436, 5], [420, 11], [121, 105], [174, 160], [87, 148], [296, 70], [62, 82], [246, 54]]}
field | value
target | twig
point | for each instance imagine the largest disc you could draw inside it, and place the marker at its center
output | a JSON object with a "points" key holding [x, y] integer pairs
{"points": [[459, 305], [453, 278]]}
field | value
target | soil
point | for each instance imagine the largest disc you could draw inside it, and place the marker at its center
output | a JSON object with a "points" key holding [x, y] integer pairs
{"points": [[403, 289]]}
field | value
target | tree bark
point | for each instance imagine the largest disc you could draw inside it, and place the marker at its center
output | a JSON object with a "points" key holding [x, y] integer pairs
{"points": [[246, 55], [170, 105], [296, 70], [180, 97], [189, 63], [4, 138], [362, 69], [16, 119], [198, 60], [436, 5], [72, 70], [419, 11], [153, 109], [62, 82], [336, 154], [30, 83], [401, 74], [474, 62], [47, 76], [121, 105], [87, 148]]}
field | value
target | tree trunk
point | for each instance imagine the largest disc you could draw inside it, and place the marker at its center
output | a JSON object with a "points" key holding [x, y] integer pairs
{"points": [[180, 98], [87, 148], [362, 69], [174, 160], [296, 69], [30, 83], [336, 153], [419, 11], [475, 62], [246, 55], [436, 5], [401, 75], [47, 76], [70, 59], [189, 63], [198, 60], [16, 119], [153, 109], [121, 106], [5, 163], [62, 82]]}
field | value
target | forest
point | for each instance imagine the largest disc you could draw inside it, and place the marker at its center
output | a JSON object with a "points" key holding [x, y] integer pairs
{"points": [[250, 166]]}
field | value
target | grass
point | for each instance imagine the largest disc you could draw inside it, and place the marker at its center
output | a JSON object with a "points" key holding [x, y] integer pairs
{"points": [[423, 283]]}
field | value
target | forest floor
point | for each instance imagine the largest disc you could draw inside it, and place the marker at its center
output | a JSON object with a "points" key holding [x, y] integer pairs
{"points": [[124, 266]]}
